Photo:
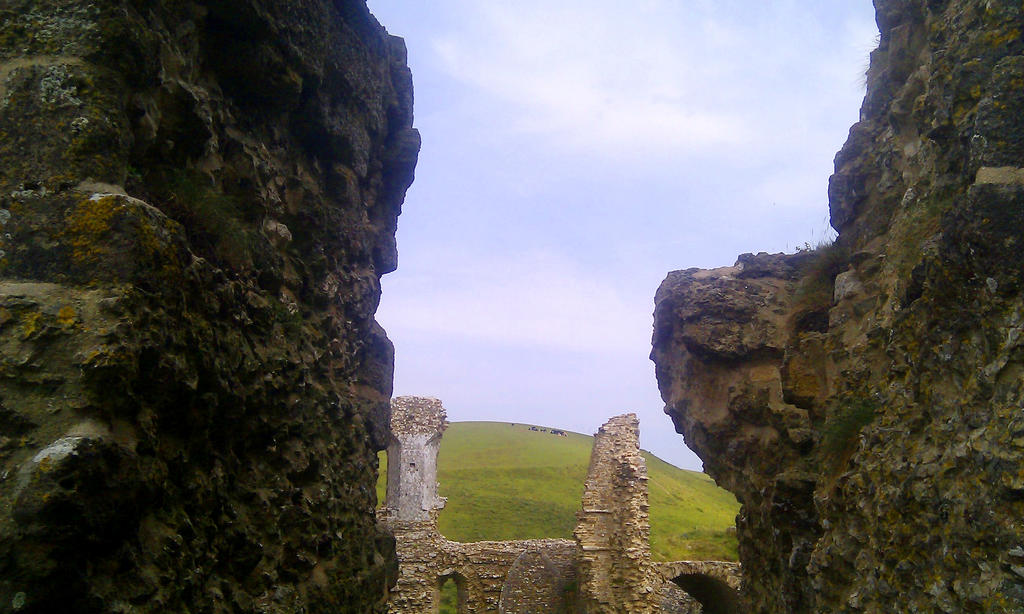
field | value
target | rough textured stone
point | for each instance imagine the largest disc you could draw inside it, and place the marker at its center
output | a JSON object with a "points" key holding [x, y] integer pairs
{"points": [[863, 400], [607, 568], [417, 424], [714, 586], [196, 203], [612, 527]]}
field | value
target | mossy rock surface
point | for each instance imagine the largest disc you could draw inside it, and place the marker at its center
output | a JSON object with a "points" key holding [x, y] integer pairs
{"points": [[867, 414], [194, 387]]}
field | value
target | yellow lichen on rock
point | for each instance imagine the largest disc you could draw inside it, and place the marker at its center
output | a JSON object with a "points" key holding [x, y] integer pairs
{"points": [[88, 226], [67, 317]]}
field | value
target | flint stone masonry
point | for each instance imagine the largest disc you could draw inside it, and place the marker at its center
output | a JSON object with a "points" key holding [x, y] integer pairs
{"points": [[607, 568], [197, 202]]}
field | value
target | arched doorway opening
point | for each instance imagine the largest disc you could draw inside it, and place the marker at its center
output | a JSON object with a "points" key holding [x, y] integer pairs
{"points": [[714, 595], [451, 594]]}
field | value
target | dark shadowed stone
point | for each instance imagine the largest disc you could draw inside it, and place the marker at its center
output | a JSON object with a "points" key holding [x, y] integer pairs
{"points": [[197, 201]]}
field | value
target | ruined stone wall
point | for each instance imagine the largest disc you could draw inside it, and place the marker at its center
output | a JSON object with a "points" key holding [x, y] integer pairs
{"points": [[487, 567], [607, 568], [543, 580], [540, 571], [725, 571], [417, 424], [708, 587], [197, 200], [612, 530], [426, 559], [863, 400]]}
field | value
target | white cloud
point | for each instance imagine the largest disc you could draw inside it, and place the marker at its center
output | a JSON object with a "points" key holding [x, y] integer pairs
{"points": [[577, 79], [533, 300], [621, 140], [703, 78]]}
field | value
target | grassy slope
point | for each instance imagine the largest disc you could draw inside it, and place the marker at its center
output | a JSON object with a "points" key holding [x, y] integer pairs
{"points": [[505, 481]]}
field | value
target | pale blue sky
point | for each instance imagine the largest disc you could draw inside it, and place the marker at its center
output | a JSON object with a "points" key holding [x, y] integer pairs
{"points": [[574, 152]]}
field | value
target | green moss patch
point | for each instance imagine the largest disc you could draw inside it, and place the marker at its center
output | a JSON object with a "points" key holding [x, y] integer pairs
{"points": [[840, 433]]}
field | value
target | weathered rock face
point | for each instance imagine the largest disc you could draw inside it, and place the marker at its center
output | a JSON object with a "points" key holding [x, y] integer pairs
{"points": [[720, 346], [197, 200], [863, 400]]}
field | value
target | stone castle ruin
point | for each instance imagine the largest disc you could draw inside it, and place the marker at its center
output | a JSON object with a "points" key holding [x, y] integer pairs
{"points": [[606, 568]]}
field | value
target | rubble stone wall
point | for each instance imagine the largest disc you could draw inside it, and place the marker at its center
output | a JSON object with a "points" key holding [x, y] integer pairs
{"points": [[714, 585], [607, 568], [427, 558], [613, 530], [542, 580]]}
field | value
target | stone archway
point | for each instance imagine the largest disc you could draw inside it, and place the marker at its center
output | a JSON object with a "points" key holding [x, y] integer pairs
{"points": [[462, 593], [714, 594], [541, 581]]}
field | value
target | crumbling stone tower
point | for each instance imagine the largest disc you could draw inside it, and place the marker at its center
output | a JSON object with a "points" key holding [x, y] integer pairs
{"points": [[417, 424], [612, 530], [413, 505]]}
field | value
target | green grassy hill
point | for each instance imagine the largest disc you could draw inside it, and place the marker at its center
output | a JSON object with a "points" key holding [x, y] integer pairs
{"points": [[504, 481]]}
